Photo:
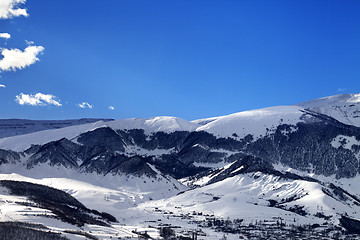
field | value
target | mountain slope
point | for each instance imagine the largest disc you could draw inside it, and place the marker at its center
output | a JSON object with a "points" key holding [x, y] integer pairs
{"points": [[13, 127], [344, 107], [256, 122]]}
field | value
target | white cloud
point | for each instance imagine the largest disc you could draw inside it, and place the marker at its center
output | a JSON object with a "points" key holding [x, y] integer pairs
{"points": [[111, 108], [85, 105], [17, 59], [2, 85], [38, 99], [10, 9], [341, 90], [5, 35], [29, 42]]}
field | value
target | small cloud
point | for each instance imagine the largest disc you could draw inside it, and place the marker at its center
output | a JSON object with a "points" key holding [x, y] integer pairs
{"points": [[5, 35], [85, 105], [38, 99], [10, 9], [111, 108], [16, 59], [341, 90], [2, 85], [29, 43]]}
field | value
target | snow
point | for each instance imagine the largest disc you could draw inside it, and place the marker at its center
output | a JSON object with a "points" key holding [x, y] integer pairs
{"points": [[345, 142], [343, 107], [245, 196], [120, 191], [12, 210], [155, 124], [135, 150], [206, 179], [12, 127], [23, 142], [210, 165], [348, 184], [256, 122], [150, 126], [204, 121], [116, 195], [240, 197]]}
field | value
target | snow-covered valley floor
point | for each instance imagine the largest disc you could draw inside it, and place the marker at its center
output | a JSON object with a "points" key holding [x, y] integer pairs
{"points": [[234, 208]]}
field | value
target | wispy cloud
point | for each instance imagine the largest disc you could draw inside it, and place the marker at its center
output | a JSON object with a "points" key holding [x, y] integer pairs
{"points": [[10, 9], [85, 105], [111, 108], [38, 99], [341, 89], [17, 59], [5, 35], [29, 43], [2, 85]]}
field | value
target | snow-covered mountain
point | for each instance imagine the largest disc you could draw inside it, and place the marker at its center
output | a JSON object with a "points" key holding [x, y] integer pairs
{"points": [[294, 165], [13, 127]]}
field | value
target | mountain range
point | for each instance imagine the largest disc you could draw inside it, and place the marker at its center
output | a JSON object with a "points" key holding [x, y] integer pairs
{"points": [[292, 169]]}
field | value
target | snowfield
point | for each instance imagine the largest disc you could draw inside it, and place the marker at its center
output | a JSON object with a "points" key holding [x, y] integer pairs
{"points": [[256, 122]]}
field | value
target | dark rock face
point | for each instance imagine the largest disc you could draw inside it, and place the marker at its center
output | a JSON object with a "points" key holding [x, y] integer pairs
{"points": [[306, 146]]}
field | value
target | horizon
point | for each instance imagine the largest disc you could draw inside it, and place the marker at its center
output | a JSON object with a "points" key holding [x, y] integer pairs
{"points": [[191, 60]]}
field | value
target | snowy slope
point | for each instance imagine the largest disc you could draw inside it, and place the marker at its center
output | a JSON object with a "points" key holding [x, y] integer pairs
{"points": [[119, 191], [13, 209], [344, 107], [247, 196], [204, 121], [255, 122], [155, 124], [131, 220], [13, 127], [23, 142]]}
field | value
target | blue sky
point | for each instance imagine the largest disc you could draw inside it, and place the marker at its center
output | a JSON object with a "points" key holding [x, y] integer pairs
{"points": [[190, 59]]}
